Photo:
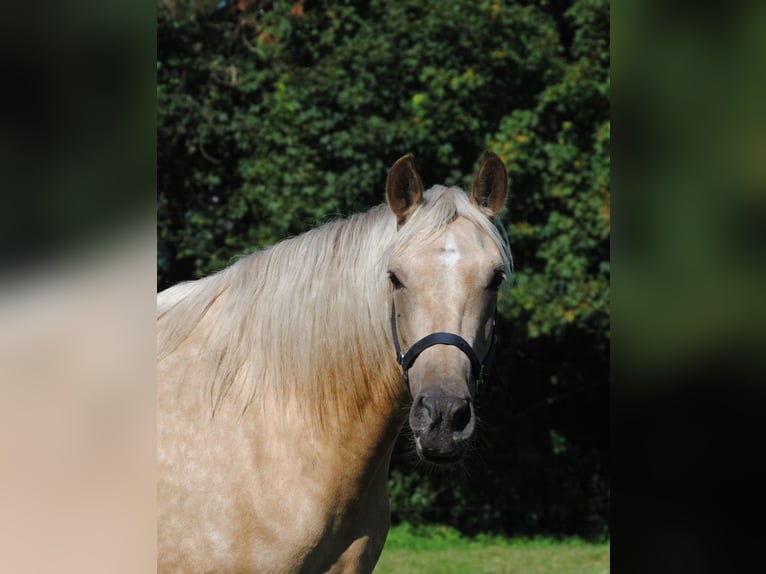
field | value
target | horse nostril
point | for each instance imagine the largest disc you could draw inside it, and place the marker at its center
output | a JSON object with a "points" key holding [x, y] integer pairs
{"points": [[421, 414], [425, 405], [461, 416]]}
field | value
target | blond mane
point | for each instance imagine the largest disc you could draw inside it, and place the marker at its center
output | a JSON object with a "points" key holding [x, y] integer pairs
{"points": [[308, 317]]}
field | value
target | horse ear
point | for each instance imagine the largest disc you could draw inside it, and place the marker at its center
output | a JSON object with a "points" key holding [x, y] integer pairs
{"points": [[404, 190], [491, 185]]}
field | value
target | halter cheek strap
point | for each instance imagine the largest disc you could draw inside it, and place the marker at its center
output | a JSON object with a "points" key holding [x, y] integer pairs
{"points": [[406, 360]]}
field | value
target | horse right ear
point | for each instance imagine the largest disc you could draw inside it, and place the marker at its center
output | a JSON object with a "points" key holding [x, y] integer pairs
{"points": [[491, 185], [404, 190]]}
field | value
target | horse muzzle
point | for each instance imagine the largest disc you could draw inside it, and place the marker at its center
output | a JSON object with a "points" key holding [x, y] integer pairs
{"points": [[442, 425]]}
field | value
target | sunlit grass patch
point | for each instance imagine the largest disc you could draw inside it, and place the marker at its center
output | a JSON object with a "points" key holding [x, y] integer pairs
{"points": [[442, 550]]}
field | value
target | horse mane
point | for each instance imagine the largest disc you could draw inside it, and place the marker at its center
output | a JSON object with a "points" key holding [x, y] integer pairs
{"points": [[308, 317]]}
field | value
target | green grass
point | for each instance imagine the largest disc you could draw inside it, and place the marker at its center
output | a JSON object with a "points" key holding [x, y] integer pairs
{"points": [[442, 550]]}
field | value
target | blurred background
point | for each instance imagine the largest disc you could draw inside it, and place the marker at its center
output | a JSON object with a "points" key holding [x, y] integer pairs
{"points": [[110, 109], [274, 117]]}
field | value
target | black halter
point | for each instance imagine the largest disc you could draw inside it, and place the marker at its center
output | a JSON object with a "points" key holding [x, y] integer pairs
{"points": [[406, 360]]}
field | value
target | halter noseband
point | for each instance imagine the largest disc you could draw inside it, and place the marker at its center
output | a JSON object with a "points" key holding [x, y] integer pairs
{"points": [[479, 369]]}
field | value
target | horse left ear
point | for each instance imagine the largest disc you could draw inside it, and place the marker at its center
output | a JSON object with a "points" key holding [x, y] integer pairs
{"points": [[404, 190], [491, 185]]}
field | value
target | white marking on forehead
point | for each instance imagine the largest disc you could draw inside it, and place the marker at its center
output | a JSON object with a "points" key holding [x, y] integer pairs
{"points": [[451, 255], [449, 258]]}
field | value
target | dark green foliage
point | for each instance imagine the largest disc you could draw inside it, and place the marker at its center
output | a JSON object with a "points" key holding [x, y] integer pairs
{"points": [[275, 118]]}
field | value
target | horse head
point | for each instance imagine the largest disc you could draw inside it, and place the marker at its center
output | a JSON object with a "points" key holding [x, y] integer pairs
{"points": [[444, 281]]}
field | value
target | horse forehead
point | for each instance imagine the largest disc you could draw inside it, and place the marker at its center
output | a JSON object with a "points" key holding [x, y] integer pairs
{"points": [[460, 245], [457, 251], [461, 240]]}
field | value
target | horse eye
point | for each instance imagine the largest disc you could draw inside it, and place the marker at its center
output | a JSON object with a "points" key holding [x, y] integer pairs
{"points": [[497, 279], [395, 280]]}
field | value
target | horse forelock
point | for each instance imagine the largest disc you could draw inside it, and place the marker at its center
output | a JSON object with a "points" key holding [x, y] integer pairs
{"points": [[441, 206], [307, 319]]}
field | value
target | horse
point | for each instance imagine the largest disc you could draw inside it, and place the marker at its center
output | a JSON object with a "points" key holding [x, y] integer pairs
{"points": [[284, 380]]}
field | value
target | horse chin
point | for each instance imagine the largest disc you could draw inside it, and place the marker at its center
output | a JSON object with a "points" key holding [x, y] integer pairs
{"points": [[440, 457]]}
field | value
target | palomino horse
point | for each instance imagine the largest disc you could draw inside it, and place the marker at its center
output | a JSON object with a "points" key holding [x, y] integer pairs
{"points": [[283, 380]]}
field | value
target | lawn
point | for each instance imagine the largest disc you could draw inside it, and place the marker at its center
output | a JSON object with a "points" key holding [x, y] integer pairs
{"points": [[444, 551]]}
